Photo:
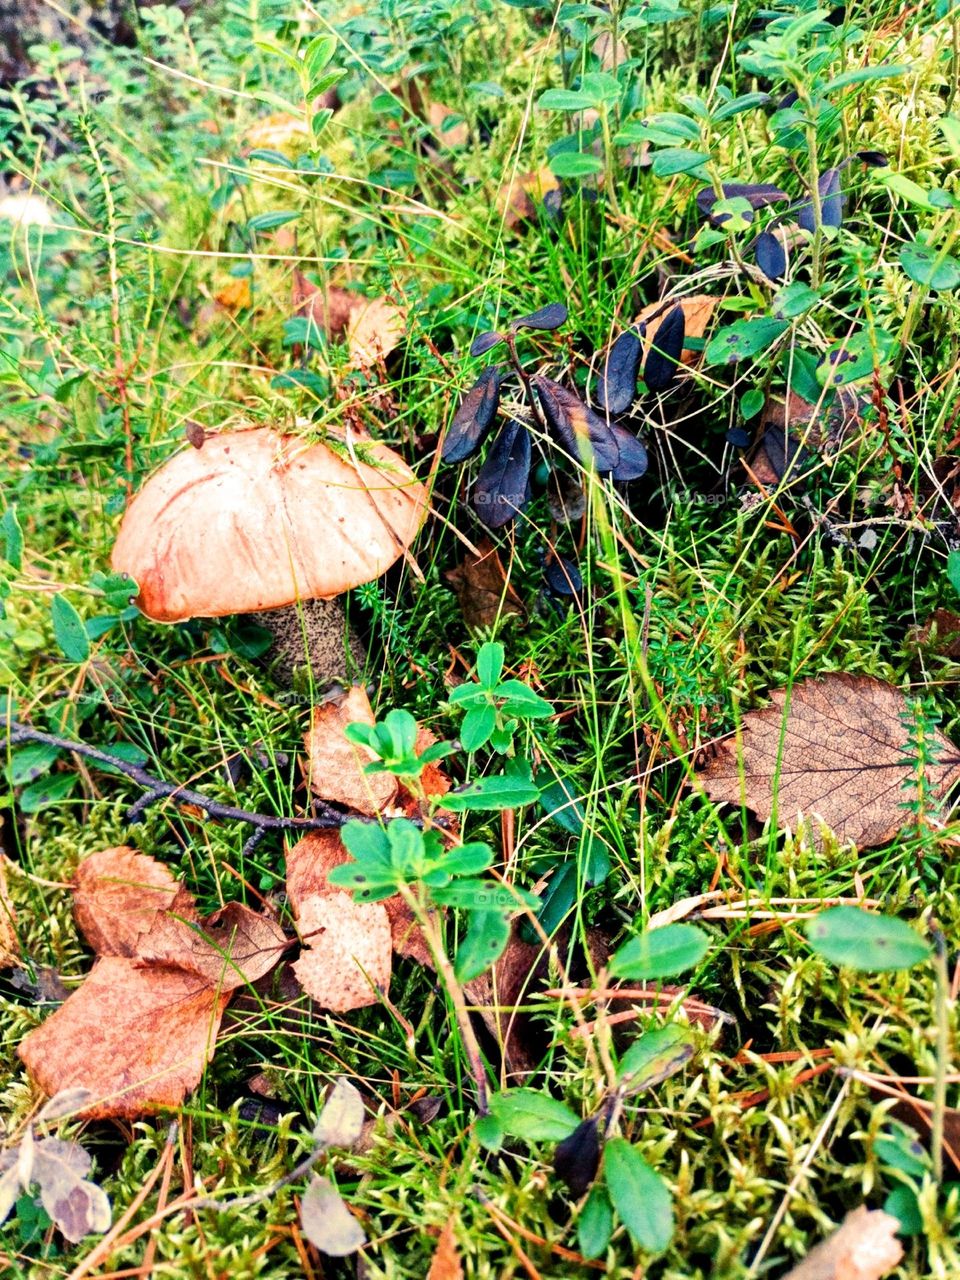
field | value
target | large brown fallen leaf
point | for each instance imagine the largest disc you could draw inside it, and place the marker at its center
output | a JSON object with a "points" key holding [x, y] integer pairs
{"points": [[138, 1037], [336, 764], [837, 748], [376, 328], [864, 1247], [140, 1029], [697, 312]]}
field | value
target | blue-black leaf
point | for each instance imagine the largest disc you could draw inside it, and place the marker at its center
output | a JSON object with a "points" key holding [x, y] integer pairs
{"points": [[551, 316], [577, 1158], [770, 255], [831, 203], [579, 430], [738, 437], [617, 387], [483, 342], [633, 456], [562, 577], [502, 483], [473, 419], [875, 159], [757, 195], [666, 347]]}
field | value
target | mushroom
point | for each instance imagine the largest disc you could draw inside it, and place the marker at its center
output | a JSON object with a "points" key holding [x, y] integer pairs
{"points": [[262, 523]]}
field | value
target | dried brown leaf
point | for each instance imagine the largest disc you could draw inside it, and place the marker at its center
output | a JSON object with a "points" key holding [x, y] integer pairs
{"points": [[497, 996], [445, 1264], [138, 1037], [9, 943], [336, 765], [864, 1247], [834, 747], [329, 309], [482, 589], [347, 951], [327, 1222], [520, 199], [119, 896], [376, 328], [697, 312], [231, 947]]}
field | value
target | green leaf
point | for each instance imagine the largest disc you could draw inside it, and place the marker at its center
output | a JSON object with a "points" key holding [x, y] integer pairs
{"points": [[860, 940], [656, 1055], [862, 75], [565, 100], [467, 859], [490, 664], [639, 1195], [930, 267], [46, 792], [744, 338], [484, 944], [559, 803], [118, 588], [794, 300], [660, 953], [267, 221], [497, 791], [950, 128], [520, 700], [68, 630], [271, 157], [595, 1224], [368, 843], [30, 762], [489, 1133], [533, 1116], [575, 164], [12, 538], [673, 160], [953, 570], [478, 724], [317, 55], [482, 895], [746, 102], [751, 402], [903, 1205]]}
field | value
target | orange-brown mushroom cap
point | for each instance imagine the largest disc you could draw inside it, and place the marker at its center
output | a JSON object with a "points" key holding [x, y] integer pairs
{"points": [[255, 520]]}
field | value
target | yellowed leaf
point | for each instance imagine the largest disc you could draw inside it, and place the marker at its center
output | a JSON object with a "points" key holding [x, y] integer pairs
{"points": [[336, 765], [236, 295], [697, 312], [520, 198], [9, 943]]}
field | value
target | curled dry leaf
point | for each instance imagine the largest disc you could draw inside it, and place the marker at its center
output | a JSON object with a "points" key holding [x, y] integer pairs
{"points": [[59, 1169], [481, 586], [864, 1247], [230, 948], [336, 765], [835, 747], [341, 1119]]}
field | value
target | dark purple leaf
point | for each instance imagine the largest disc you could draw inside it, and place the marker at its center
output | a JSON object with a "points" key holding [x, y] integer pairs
{"points": [[577, 1158], [831, 203], [875, 159], [770, 255], [788, 100], [552, 203], [562, 577], [738, 437], [483, 342], [617, 387], [666, 347], [502, 483], [757, 195], [784, 451], [474, 418], [633, 456], [551, 316], [579, 430]]}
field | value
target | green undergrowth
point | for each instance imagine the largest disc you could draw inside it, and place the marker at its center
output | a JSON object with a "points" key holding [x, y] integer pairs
{"points": [[727, 590]]}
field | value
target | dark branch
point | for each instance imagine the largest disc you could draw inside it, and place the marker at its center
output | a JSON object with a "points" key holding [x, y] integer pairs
{"points": [[156, 789]]}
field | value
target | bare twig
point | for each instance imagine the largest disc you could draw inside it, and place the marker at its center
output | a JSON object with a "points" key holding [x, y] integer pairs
{"points": [[156, 789]]}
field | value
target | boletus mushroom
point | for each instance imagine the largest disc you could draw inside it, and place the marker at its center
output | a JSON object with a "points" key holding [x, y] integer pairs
{"points": [[256, 522]]}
